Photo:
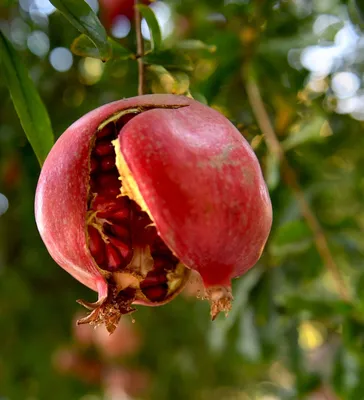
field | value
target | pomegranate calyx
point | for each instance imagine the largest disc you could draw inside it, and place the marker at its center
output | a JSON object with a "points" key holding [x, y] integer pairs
{"points": [[108, 311], [220, 298]]}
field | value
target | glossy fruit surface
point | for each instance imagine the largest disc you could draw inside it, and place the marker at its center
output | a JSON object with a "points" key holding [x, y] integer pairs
{"points": [[139, 189]]}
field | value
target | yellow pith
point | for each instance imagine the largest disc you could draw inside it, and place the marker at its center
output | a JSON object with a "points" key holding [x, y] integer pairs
{"points": [[130, 187]]}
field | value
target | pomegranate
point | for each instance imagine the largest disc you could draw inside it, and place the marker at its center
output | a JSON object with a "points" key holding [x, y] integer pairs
{"points": [[139, 191]]}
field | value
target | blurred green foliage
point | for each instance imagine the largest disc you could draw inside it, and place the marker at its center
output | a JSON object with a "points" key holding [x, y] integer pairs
{"points": [[290, 335]]}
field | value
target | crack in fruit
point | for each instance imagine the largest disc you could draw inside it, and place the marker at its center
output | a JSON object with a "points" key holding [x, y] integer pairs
{"points": [[123, 239]]}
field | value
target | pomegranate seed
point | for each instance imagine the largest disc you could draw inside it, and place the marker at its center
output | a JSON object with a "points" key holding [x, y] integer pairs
{"points": [[108, 130], [153, 280], [114, 260], [107, 163], [118, 230], [108, 185], [104, 148], [108, 179], [123, 248], [120, 215], [94, 165], [96, 245], [162, 263], [104, 204], [124, 120], [156, 293]]}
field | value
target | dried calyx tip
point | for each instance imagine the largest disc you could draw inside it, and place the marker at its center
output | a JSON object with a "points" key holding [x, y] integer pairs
{"points": [[220, 299]]}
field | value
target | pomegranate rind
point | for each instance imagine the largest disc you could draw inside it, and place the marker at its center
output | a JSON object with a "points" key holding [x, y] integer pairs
{"points": [[203, 187], [63, 186]]}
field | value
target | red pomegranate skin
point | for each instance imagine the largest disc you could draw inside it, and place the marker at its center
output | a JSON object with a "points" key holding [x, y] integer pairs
{"points": [[203, 186]]}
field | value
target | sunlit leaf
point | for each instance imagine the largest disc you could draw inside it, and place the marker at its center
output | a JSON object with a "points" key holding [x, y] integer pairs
{"points": [[162, 80], [314, 130], [84, 47], [356, 13], [195, 45], [27, 102], [291, 238], [170, 59], [272, 171], [153, 25], [82, 17]]}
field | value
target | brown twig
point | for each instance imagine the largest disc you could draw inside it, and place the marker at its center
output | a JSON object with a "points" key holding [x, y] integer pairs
{"points": [[140, 48], [291, 179]]}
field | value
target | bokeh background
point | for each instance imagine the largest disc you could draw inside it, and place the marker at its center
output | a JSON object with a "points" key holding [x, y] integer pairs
{"points": [[296, 330]]}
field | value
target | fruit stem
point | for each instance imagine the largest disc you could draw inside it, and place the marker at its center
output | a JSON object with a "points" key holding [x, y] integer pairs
{"points": [[140, 48]]}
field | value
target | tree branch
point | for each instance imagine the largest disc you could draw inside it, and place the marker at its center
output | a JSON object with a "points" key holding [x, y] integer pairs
{"points": [[140, 48], [291, 179]]}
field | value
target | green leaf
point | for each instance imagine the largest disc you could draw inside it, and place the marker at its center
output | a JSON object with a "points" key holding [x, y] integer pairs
{"points": [[170, 59], [315, 130], [295, 359], [153, 25], [84, 47], [272, 171], [316, 307], [356, 13], [81, 16], [249, 344], [27, 102], [195, 45], [164, 81], [291, 238], [353, 333]]}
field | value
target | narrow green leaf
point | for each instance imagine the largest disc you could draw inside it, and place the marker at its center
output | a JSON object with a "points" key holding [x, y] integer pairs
{"points": [[164, 81], [170, 59], [153, 25], [294, 237], [84, 47], [81, 16], [319, 307], [195, 45], [315, 130], [356, 13], [272, 171], [249, 344], [28, 104]]}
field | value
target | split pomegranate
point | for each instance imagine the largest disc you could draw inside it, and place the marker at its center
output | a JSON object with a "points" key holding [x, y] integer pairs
{"points": [[138, 192]]}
